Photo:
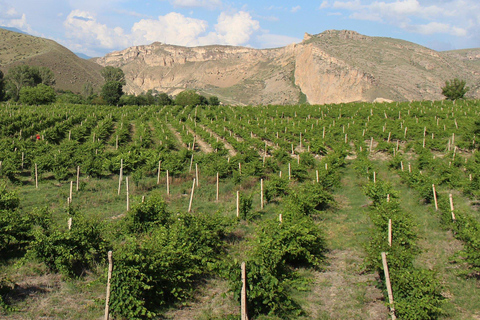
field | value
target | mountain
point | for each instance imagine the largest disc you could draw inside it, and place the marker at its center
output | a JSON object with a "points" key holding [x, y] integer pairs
{"points": [[70, 71], [330, 67]]}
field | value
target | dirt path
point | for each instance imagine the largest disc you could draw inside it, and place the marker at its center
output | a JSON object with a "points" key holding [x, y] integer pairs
{"points": [[231, 151], [344, 290], [205, 147], [177, 135]]}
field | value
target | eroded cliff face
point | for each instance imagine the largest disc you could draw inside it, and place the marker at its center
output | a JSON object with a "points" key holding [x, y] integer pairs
{"points": [[325, 79], [332, 67]]}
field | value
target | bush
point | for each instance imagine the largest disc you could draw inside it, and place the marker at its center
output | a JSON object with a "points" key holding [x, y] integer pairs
{"points": [[455, 89], [41, 94]]}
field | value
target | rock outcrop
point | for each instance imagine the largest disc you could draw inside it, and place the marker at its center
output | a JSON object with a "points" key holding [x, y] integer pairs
{"points": [[331, 67]]}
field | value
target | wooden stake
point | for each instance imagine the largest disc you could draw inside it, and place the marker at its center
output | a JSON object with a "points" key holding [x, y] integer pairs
{"points": [[451, 206], [389, 286], [217, 188], [69, 223], [280, 218], [78, 178], [390, 232], [120, 177], [244, 315], [196, 173], [71, 191], [261, 194], [109, 278], [435, 197], [158, 173], [191, 196], [128, 195], [36, 176], [289, 171], [238, 204], [316, 173]]}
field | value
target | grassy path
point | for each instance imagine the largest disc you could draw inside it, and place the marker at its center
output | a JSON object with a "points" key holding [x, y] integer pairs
{"points": [[438, 247], [343, 290]]}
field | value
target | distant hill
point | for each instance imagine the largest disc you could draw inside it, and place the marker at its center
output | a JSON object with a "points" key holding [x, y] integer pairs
{"points": [[330, 67], [71, 72], [13, 29]]}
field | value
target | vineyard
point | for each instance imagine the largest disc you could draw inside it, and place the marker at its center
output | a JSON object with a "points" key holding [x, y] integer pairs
{"points": [[351, 211]]}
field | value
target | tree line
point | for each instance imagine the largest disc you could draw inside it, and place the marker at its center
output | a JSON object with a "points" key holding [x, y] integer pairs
{"points": [[34, 85]]}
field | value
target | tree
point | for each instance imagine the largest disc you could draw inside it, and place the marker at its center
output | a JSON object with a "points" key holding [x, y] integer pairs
{"points": [[87, 90], [213, 101], [110, 74], [27, 76], [41, 94], [189, 98], [112, 92], [455, 89], [163, 99]]}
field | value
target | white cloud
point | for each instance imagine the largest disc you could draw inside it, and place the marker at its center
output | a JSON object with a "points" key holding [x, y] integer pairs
{"points": [[453, 17], [173, 28], [83, 26], [233, 29], [9, 17], [209, 4], [295, 9], [324, 5]]}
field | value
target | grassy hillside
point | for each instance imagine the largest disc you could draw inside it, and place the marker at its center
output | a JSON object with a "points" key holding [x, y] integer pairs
{"points": [[71, 72]]}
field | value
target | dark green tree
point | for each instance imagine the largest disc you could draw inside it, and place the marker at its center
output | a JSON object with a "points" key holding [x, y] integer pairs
{"points": [[41, 94], [110, 74], [213, 101], [455, 89], [163, 99], [189, 98], [112, 92], [27, 76], [87, 90]]}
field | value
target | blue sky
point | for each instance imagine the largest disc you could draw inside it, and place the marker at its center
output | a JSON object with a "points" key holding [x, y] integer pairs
{"points": [[96, 27]]}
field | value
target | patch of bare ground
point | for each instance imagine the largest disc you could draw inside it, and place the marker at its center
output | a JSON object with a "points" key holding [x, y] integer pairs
{"points": [[213, 300], [343, 291], [49, 297], [205, 147], [231, 151], [177, 135]]}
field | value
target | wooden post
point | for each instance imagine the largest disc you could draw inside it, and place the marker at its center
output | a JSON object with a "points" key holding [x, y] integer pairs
{"points": [[389, 286], [23, 158], [390, 232], [289, 171], [401, 165], [71, 191], [374, 177], [120, 177], [116, 143], [371, 144], [244, 315], [128, 195], [158, 173], [191, 164], [216, 198], [316, 174], [280, 218], [238, 204], [261, 194], [109, 277], [196, 173], [78, 178], [435, 197], [69, 223], [168, 184], [191, 196], [36, 176], [451, 206]]}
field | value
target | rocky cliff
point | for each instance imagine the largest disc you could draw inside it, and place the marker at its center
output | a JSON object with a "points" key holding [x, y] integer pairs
{"points": [[331, 67]]}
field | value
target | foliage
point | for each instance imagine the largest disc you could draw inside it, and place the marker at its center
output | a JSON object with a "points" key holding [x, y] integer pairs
{"points": [[213, 101], [112, 92], [41, 94], [145, 216], [113, 74], [154, 270], [27, 76], [70, 252], [189, 98], [309, 199], [455, 89], [2, 86]]}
